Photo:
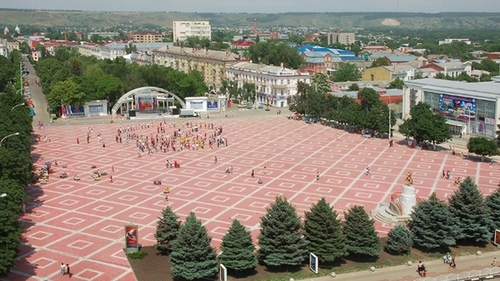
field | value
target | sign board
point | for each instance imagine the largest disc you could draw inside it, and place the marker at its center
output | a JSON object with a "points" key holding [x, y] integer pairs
{"points": [[212, 104], [222, 273], [313, 263], [461, 108], [496, 239], [131, 236]]}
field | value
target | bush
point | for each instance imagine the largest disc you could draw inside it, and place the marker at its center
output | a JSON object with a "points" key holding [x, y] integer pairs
{"points": [[399, 240], [137, 255]]}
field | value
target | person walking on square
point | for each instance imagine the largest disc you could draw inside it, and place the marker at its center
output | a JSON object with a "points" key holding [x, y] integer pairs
{"points": [[68, 272], [63, 269], [215, 159], [494, 262], [265, 170], [317, 176], [253, 173], [367, 171]]}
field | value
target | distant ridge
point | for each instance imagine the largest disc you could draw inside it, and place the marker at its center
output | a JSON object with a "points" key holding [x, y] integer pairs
{"points": [[345, 21]]}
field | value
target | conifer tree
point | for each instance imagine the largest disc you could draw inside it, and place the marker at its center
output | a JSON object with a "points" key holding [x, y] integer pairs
{"points": [[493, 203], [166, 230], [192, 256], [468, 206], [361, 237], [238, 250], [432, 224], [280, 239], [323, 232], [399, 240]]}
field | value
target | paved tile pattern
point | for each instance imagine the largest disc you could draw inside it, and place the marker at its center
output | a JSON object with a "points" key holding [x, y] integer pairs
{"points": [[81, 222]]}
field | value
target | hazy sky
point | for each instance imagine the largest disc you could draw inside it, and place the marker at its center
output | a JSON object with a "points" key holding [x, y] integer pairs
{"points": [[261, 6]]}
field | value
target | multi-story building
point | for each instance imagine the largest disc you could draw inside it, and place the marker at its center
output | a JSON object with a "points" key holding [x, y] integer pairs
{"points": [[211, 64], [147, 37], [274, 84], [451, 40], [338, 37], [4, 49], [116, 49], [184, 29]]}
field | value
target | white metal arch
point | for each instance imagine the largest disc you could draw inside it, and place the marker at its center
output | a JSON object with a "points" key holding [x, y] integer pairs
{"points": [[155, 90]]}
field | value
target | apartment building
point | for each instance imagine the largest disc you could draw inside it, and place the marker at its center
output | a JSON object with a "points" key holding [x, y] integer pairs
{"points": [[338, 37], [211, 64], [184, 29], [147, 37], [274, 84]]}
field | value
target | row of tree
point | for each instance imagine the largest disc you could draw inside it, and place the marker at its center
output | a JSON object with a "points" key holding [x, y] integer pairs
{"points": [[15, 161], [69, 78], [284, 239], [366, 111]]}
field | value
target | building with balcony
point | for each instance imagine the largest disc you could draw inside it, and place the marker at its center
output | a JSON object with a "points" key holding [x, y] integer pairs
{"points": [[338, 37], [147, 37], [274, 84], [211, 64], [184, 29]]}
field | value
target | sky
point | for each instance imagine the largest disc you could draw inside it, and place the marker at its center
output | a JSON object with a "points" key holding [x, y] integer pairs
{"points": [[260, 6]]}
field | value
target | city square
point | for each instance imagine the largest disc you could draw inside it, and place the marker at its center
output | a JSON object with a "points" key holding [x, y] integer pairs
{"points": [[82, 222]]}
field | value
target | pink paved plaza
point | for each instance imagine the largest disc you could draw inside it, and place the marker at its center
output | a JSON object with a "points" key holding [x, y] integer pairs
{"points": [[82, 222]]}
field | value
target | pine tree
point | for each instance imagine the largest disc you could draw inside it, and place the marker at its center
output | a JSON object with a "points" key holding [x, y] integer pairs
{"points": [[324, 232], [361, 237], [280, 238], [493, 203], [238, 250], [166, 230], [432, 224], [192, 256], [399, 240], [468, 206]]}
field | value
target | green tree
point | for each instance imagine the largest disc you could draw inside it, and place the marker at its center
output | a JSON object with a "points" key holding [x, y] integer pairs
{"points": [[361, 237], [380, 62], [397, 83], [65, 93], [424, 125], [321, 83], [467, 204], [275, 53], [109, 88], [323, 232], [493, 203], [354, 87], [482, 146], [346, 72], [238, 250], [432, 224], [280, 239], [167, 230], [192, 256], [399, 240], [7, 72]]}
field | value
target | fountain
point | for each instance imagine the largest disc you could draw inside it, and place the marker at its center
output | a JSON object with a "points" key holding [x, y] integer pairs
{"points": [[400, 207]]}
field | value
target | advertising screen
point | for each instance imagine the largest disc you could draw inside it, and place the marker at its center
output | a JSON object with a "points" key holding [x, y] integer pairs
{"points": [[459, 107]]}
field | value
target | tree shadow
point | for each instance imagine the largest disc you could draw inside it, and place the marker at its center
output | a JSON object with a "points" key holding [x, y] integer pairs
{"points": [[242, 274], [362, 258]]}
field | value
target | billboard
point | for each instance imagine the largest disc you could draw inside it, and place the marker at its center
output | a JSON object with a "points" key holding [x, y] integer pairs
{"points": [[459, 107], [212, 104], [131, 236], [197, 105], [496, 239], [313, 263], [145, 102]]}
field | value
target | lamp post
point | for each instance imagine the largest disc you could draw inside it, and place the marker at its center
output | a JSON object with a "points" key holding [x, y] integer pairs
{"points": [[21, 104], [388, 106], [8, 136]]}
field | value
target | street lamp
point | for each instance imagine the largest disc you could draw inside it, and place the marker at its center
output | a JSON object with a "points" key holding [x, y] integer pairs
{"points": [[21, 104], [8, 136]]}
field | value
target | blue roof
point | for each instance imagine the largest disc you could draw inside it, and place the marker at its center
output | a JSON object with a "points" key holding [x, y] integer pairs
{"points": [[345, 55]]}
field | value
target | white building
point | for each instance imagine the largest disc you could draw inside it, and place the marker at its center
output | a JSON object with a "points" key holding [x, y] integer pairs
{"points": [[470, 108], [274, 84], [184, 29], [4, 48], [451, 40]]}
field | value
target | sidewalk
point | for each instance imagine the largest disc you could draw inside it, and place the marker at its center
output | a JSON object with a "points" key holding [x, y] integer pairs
{"points": [[434, 268]]}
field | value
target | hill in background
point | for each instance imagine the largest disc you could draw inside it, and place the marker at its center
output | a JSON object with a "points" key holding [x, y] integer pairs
{"points": [[344, 21]]}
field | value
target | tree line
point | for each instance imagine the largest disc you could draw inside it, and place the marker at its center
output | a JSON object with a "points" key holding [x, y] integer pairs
{"points": [[285, 240], [69, 78], [15, 162]]}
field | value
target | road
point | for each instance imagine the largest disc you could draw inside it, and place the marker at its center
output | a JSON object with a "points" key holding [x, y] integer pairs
{"points": [[38, 97]]}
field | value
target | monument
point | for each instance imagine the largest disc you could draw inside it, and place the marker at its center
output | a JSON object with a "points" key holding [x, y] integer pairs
{"points": [[400, 207]]}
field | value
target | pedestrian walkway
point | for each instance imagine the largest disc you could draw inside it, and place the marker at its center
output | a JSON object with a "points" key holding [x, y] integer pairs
{"points": [[434, 268], [38, 97]]}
